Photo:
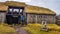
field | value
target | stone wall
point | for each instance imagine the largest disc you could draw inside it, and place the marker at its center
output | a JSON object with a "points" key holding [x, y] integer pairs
{"points": [[36, 18]]}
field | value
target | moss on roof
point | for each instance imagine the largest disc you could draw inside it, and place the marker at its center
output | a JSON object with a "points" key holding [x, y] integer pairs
{"points": [[14, 3], [28, 8], [38, 10], [3, 7], [1, 2]]}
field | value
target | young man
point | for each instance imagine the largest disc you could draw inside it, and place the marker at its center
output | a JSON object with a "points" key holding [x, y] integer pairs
{"points": [[22, 19]]}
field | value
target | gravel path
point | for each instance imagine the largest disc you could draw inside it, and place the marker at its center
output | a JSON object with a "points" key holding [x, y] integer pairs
{"points": [[20, 30]]}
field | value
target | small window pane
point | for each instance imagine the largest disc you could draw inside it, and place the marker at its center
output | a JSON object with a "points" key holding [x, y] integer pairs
{"points": [[10, 10], [21, 10], [16, 10]]}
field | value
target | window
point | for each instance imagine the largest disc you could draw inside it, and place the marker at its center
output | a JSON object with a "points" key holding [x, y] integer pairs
{"points": [[10, 10], [16, 10], [39, 16], [50, 16], [45, 16], [31, 15], [21, 10]]}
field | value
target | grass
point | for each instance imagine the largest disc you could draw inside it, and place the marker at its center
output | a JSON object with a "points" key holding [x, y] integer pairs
{"points": [[35, 29], [54, 27], [5, 29], [32, 28]]}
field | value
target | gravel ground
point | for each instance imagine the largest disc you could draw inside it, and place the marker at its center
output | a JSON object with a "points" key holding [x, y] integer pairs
{"points": [[20, 30]]}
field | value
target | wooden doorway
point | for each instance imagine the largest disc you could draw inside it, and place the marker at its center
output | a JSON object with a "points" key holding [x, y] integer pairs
{"points": [[13, 14], [10, 19]]}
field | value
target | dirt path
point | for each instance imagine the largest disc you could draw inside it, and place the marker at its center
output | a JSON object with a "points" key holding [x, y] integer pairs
{"points": [[20, 30]]}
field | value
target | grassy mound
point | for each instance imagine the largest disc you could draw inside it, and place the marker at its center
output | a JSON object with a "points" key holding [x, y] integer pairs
{"points": [[32, 28], [5, 29], [53, 27], [35, 29]]}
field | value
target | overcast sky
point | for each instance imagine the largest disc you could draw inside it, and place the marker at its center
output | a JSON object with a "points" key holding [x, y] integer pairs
{"points": [[51, 4]]}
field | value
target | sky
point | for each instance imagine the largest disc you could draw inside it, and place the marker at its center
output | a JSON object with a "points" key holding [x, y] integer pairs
{"points": [[53, 5]]}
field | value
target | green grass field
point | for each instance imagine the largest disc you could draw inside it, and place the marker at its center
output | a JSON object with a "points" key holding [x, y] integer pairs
{"points": [[35, 29], [31, 28], [5, 29]]}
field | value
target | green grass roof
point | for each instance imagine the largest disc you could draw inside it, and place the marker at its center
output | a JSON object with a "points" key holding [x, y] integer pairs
{"points": [[38, 10], [3, 7], [12, 3], [28, 8]]}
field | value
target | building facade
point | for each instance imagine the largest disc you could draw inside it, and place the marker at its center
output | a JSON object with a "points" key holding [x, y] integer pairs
{"points": [[33, 14], [58, 20], [39, 14], [3, 10], [38, 18]]}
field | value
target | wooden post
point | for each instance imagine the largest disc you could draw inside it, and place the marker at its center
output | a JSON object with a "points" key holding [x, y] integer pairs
{"points": [[36, 18], [3, 17]]}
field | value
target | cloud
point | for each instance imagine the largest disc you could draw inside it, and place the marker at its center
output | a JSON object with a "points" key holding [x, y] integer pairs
{"points": [[2, 0]]}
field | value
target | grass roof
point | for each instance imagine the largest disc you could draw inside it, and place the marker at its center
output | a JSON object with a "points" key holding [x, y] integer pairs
{"points": [[28, 8], [38, 10], [3, 7], [14, 3]]}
